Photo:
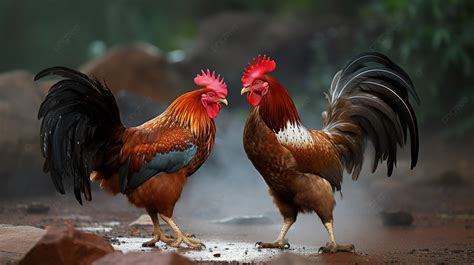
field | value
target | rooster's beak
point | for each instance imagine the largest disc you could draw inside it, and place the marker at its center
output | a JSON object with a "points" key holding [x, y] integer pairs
{"points": [[224, 101], [244, 90]]}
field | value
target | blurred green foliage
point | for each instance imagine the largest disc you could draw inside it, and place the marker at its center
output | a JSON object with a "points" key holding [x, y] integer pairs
{"points": [[432, 40]]}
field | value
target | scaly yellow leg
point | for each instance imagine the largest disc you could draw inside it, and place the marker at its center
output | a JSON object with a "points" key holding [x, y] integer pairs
{"points": [[157, 233], [280, 242], [332, 246], [180, 237]]}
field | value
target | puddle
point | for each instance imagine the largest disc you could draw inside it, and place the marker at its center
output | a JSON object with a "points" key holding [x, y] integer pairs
{"points": [[216, 250]]}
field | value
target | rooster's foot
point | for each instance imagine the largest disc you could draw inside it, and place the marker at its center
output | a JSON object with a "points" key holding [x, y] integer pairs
{"points": [[167, 238], [189, 235], [151, 243], [283, 244], [190, 242], [333, 248]]}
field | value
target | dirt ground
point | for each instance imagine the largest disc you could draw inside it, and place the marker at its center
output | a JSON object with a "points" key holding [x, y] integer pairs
{"points": [[437, 237], [438, 195]]}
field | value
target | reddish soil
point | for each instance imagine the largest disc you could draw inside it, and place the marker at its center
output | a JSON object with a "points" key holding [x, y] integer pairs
{"points": [[439, 197]]}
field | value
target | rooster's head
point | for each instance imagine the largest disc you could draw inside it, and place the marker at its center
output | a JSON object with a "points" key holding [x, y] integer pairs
{"points": [[214, 94], [255, 84]]}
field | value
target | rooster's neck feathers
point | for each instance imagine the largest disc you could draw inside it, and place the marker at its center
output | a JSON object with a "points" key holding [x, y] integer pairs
{"points": [[277, 109], [188, 112]]}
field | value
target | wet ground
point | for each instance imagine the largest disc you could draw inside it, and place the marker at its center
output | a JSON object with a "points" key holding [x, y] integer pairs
{"points": [[438, 237], [230, 214]]}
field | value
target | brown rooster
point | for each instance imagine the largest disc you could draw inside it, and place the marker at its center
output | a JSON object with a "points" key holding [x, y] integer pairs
{"points": [[368, 101], [82, 137]]}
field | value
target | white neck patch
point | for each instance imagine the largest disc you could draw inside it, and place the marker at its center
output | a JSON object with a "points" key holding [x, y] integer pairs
{"points": [[294, 134]]}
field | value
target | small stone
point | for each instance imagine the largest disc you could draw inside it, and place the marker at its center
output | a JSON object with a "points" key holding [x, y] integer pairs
{"points": [[135, 232], [217, 255], [143, 220], [37, 208], [398, 218]]}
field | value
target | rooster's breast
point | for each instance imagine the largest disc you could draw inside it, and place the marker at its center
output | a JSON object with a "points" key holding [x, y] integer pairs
{"points": [[272, 160]]}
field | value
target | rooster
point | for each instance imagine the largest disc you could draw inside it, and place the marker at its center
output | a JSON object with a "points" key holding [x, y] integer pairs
{"points": [[83, 138], [368, 101]]}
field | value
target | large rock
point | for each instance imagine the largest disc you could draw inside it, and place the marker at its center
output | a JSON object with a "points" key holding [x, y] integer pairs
{"points": [[136, 109], [66, 246], [20, 99], [139, 68], [144, 258], [16, 241]]}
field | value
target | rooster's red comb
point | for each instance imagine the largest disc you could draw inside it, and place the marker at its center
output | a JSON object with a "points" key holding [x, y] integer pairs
{"points": [[206, 79], [257, 68]]}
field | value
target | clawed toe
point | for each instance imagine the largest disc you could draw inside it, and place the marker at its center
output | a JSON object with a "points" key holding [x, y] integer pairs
{"points": [[277, 244], [167, 239], [193, 243], [333, 248], [346, 248], [189, 235], [175, 243], [149, 244]]}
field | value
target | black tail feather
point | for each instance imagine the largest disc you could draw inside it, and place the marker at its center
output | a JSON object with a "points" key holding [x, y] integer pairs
{"points": [[81, 124], [372, 92]]}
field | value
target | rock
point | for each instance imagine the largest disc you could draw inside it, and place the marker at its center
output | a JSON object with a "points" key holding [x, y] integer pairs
{"points": [[64, 245], [399, 218], [16, 241], [143, 220], [450, 179], [136, 109], [20, 99], [245, 220], [37, 208], [143, 258], [139, 68]]}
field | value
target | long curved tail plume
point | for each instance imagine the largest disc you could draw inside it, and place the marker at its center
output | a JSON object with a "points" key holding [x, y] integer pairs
{"points": [[80, 131], [369, 100]]}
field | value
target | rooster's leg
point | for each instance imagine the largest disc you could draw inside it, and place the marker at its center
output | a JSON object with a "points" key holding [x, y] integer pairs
{"points": [[332, 246], [156, 230], [157, 233], [280, 242], [180, 237]]}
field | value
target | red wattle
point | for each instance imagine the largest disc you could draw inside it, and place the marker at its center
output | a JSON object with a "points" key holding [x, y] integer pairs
{"points": [[254, 98], [213, 110]]}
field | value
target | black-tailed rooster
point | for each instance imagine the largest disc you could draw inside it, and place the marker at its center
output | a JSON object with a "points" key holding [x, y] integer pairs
{"points": [[368, 101], [83, 138]]}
